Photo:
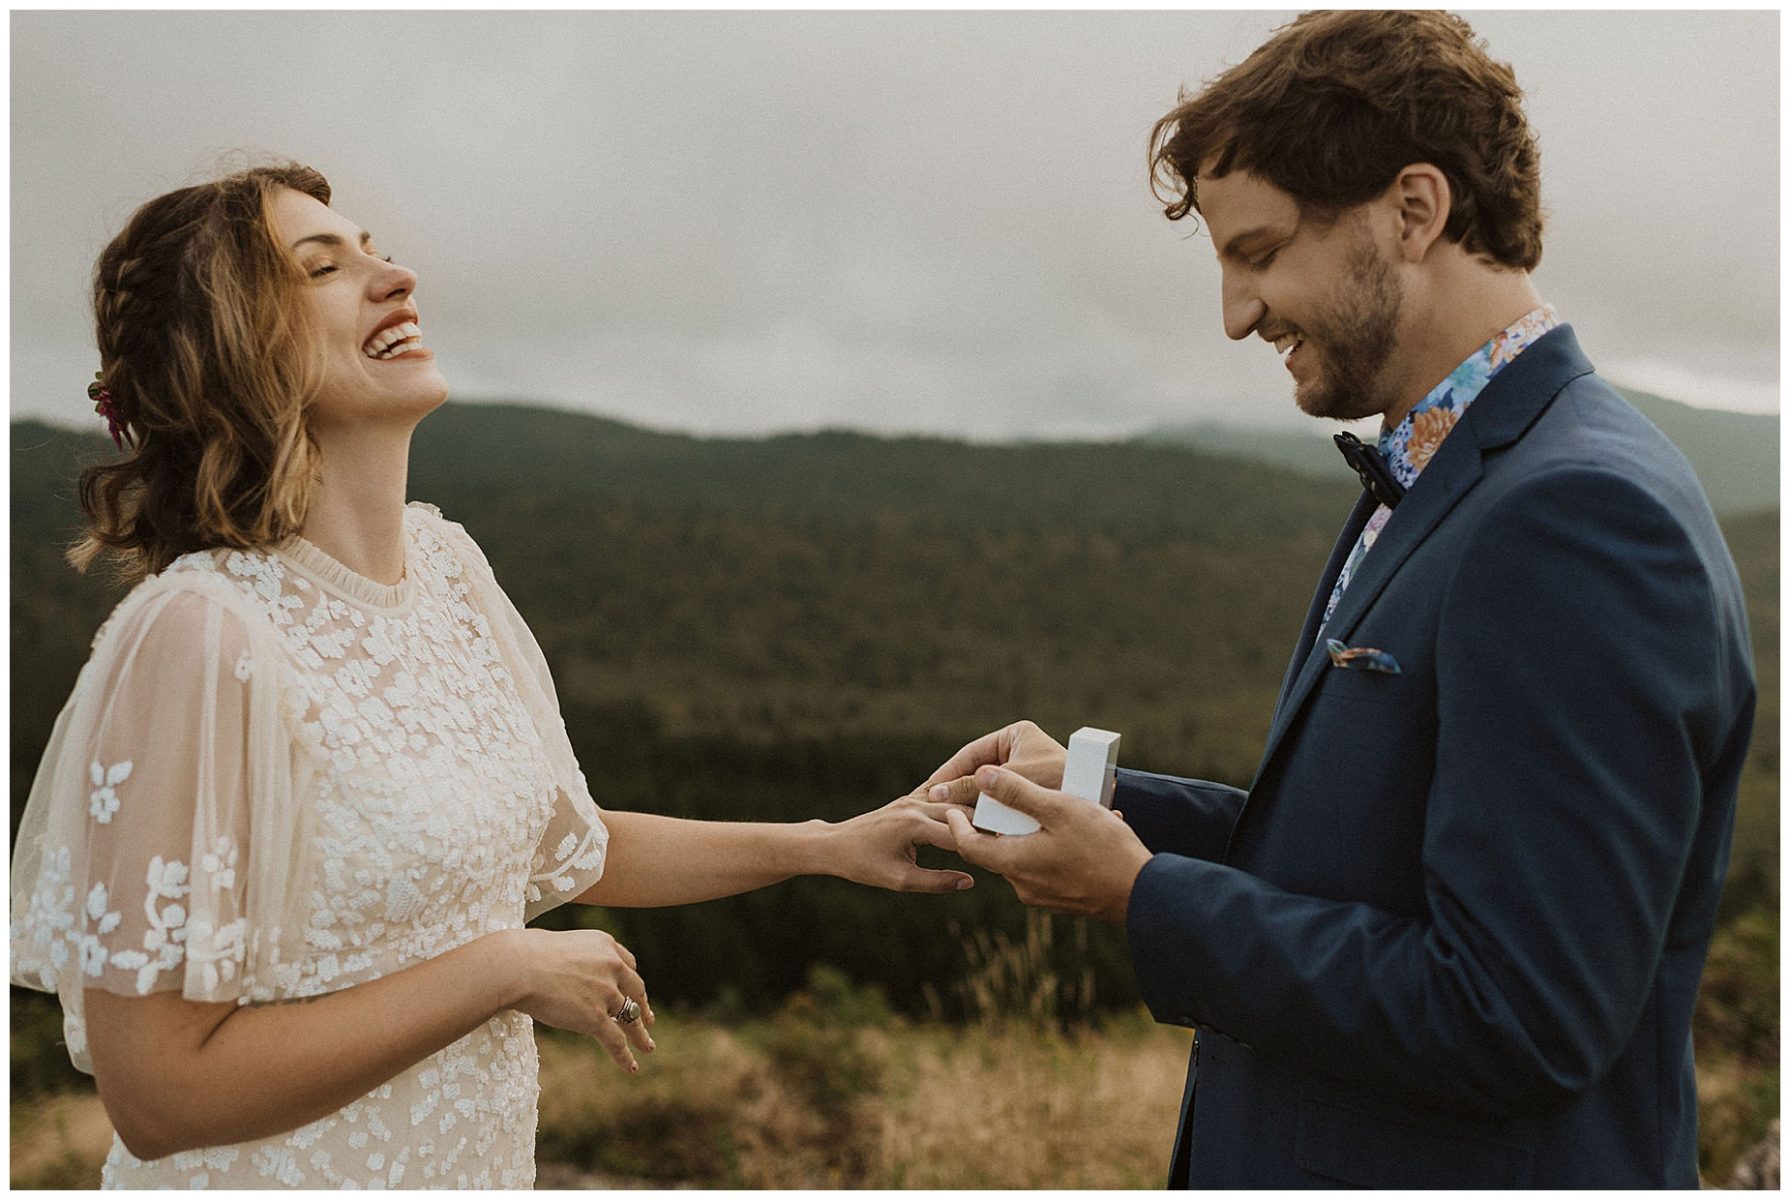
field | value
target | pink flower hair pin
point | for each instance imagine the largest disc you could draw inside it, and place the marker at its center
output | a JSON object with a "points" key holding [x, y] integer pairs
{"points": [[105, 407]]}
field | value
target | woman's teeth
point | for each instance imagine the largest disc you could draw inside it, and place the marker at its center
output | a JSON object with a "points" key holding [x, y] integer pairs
{"points": [[389, 343]]}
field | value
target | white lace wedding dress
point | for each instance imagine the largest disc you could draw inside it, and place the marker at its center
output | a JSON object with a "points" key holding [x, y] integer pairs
{"points": [[277, 778]]}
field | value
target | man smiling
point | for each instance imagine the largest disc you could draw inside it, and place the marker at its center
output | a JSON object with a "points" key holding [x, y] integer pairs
{"points": [[1452, 933]]}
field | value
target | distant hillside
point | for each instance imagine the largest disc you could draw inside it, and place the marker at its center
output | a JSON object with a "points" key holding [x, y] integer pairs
{"points": [[823, 583], [832, 581], [1735, 454], [836, 476], [789, 627], [794, 627]]}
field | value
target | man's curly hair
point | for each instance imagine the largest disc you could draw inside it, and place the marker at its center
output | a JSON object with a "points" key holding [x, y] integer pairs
{"points": [[1335, 104]]}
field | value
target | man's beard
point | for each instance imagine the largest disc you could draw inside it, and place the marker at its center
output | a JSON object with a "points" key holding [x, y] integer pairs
{"points": [[1354, 340]]}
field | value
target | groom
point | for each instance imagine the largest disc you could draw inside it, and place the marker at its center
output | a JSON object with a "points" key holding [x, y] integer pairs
{"points": [[1451, 936]]}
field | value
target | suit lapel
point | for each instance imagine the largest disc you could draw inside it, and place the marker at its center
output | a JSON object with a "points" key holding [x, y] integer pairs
{"points": [[1449, 476], [1453, 471], [1339, 554], [1502, 413]]}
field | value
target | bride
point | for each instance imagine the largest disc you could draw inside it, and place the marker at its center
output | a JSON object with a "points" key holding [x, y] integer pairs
{"points": [[313, 781]]}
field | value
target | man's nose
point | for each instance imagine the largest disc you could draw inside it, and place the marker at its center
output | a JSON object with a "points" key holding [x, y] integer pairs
{"points": [[1243, 309]]}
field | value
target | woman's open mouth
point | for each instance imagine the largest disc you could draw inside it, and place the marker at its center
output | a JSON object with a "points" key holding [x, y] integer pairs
{"points": [[399, 341]]}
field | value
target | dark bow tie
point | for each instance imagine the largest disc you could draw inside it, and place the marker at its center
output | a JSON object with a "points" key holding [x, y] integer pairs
{"points": [[1376, 476]]}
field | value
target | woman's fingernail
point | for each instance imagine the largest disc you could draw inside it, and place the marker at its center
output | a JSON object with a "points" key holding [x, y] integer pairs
{"points": [[965, 882]]}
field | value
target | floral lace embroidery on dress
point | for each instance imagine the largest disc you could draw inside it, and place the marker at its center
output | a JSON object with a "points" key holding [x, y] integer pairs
{"points": [[432, 813]]}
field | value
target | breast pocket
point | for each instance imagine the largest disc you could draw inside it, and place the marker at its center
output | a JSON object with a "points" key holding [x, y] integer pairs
{"points": [[1346, 807], [1354, 685], [1365, 724], [1347, 1146]]}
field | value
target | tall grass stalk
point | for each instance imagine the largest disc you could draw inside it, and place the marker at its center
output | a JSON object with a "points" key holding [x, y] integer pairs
{"points": [[1010, 982]]}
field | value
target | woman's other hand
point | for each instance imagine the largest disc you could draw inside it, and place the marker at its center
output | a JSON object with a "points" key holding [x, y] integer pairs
{"points": [[579, 980]]}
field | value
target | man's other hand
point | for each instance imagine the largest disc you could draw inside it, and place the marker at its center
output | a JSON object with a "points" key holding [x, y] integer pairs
{"points": [[1021, 747], [1083, 860]]}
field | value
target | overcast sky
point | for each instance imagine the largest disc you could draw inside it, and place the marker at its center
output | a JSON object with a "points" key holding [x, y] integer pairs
{"points": [[745, 222]]}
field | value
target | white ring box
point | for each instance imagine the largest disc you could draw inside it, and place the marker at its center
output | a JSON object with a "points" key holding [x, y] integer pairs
{"points": [[1090, 773]]}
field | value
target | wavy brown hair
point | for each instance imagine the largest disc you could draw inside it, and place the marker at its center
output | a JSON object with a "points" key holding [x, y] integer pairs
{"points": [[1335, 104], [205, 351]]}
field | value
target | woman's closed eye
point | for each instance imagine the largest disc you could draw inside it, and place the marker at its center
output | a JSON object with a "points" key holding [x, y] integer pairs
{"points": [[322, 269]]}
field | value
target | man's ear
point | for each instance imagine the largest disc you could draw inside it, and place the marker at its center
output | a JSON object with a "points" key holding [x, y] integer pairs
{"points": [[1423, 201]]}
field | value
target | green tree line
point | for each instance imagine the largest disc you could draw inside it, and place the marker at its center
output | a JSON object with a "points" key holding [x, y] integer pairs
{"points": [[801, 626]]}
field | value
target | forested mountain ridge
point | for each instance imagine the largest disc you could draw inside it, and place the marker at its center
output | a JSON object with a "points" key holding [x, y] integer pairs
{"points": [[1734, 454], [806, 625]]}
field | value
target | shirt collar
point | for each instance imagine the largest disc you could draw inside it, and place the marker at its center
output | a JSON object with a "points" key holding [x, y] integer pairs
{"points": [[1408, 446]]}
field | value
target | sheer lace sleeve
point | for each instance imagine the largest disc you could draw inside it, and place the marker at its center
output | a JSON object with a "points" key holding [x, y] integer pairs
{"points": [[157, 842], [570, 855]]}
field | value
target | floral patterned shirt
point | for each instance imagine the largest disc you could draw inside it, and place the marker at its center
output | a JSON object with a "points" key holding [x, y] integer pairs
{"points": [[1409, 446]]}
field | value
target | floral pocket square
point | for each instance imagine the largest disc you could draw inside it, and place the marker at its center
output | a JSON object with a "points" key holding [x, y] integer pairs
{"points": [[1366, 657]]}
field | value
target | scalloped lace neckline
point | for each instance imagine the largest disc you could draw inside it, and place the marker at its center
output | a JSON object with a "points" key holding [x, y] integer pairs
{"points": [[323, 569]]}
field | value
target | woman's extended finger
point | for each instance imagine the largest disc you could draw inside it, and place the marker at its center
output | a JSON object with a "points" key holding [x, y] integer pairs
{"points": [[919, 879], [615, 1040], [635, 1030], [936, 810], [634, 988], [934, 830]]}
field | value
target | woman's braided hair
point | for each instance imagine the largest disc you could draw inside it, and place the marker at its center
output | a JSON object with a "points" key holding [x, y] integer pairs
{"points": [[204, 349]]}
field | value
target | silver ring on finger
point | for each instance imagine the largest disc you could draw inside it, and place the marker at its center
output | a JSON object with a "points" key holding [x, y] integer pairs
{"points": [[630, 1012]]}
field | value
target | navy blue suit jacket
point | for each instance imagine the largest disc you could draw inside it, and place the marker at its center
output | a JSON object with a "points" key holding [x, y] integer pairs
{"points": [[1452, 934]]}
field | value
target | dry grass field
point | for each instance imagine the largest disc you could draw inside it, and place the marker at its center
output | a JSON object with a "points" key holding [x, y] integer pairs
{"points": [[818, 1096], [789, 1104], [1043, 1089], [798, 1102]]}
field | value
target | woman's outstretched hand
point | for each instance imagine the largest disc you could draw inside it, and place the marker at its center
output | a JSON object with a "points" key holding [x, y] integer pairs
{"points": [[579, 980], [880, 848]]}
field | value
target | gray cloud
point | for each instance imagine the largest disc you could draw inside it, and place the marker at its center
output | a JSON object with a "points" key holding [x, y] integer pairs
{"points": [[928, 221]]}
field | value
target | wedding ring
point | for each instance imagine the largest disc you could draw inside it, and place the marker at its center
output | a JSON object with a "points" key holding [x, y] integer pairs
{"points": [[629, 1014]]}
